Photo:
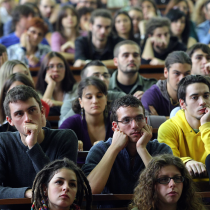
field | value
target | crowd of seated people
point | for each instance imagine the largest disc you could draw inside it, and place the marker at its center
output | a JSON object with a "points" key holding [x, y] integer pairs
{"points": [[104, 113]]}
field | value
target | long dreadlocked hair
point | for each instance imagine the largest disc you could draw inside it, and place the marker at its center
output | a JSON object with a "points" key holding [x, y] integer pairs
{"points": [[46, 174]]}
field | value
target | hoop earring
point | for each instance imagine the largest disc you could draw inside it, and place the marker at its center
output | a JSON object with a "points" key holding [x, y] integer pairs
{"points": [[82, 113]]}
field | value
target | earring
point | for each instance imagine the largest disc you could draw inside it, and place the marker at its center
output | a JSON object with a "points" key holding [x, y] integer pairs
{"points": [[82, 113]]}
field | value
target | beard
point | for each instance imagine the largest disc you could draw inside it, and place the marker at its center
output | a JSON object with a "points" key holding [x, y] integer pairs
{"points": [[127, 71]]}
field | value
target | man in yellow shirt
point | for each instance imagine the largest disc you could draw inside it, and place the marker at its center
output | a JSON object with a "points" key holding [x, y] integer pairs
{"points": [[188, 133]]}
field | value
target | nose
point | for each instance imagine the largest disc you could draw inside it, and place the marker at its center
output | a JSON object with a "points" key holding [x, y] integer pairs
{"points": [[202, 101], [204, 60], [27, 117], [134, 124], [66, 187], [172, 183], [95, 99], [180, 77]]}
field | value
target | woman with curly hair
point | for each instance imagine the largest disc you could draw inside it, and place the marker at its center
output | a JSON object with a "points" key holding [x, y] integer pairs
{"points": [[166, 184], [61, 185]]}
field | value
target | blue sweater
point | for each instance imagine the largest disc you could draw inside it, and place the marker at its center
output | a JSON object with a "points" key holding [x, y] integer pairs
{"points": [[123, 177]]}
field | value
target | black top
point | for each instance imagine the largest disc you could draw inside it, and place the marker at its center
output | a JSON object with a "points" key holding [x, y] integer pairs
{"points": [[85, 50], [174, 45]]}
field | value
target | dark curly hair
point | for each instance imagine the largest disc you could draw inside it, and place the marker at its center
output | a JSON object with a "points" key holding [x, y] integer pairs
{"points": [[125, 101], [145, 196], [46, 174]]}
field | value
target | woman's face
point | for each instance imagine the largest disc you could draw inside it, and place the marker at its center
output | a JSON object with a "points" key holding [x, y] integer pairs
{"points": [[84, 22], [177, 27], [182, 5], [19, 68], [93, 100], [169, 194], [122, 24], [148, 10], [62, 189], [136, 17], [70, 20], [56, 69]]}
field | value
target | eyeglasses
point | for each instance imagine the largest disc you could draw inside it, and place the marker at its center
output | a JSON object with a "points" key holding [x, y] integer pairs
{"points": [[104, 75], [59, 66], [128, 120], [166, 180]]}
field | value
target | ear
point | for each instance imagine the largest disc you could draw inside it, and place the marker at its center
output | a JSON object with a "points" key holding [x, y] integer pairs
{"points": [[115, 61], [182, 104], [9, 120], [165, 72], [45, 190], [81, 103], [115, 126]]}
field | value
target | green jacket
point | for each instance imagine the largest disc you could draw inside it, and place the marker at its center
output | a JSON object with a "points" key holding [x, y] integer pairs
{"points": [[142, 83]]}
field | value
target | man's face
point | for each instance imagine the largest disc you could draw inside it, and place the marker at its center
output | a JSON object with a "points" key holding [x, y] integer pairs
{"points": [[199, 60], [128, 60], [133, 129], [25, 112], [101, 28], [176, 72], [35, 35], [87, 3], [46, 7], [99, 71], [23, 22], [197, 98], [163, 34]]}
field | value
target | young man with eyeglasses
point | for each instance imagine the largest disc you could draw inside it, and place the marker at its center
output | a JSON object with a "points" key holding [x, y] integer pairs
{"points": [[30, 50], [97, 69], [114, 166]]}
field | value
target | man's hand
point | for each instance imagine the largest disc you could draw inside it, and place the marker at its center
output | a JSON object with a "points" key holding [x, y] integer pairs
{"points": [[157, 42], [28, 193], [156, 61], [32, 60], [196, 168], [206, 117], [67, 45], [153, 110], [119, 140], [80, 145], [207, 69], [79, 63], [31, 130], [138, 94], [146, 132]]}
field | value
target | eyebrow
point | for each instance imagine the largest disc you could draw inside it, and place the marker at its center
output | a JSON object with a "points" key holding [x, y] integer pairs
{"points": [[180, 72], [64, 179], [139, 115], [26, 109], [196, 94]]}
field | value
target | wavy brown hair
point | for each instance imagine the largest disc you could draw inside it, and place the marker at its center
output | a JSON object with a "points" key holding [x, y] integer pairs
{"points": [[145, 196]]}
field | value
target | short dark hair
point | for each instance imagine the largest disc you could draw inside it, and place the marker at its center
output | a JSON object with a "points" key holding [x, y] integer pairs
{"points": [[46, 174], [84, 10], [177, 57], [83, 73], [100, 13], [188, 80], [198, 46], [19, 12], [22, 93], [156, 22], [2, 49], [99, 84], [125, 101], [11, 79], [118, 45]]}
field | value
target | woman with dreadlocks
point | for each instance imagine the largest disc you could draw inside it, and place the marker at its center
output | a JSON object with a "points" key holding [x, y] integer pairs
{"points": [[60, 185]]}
